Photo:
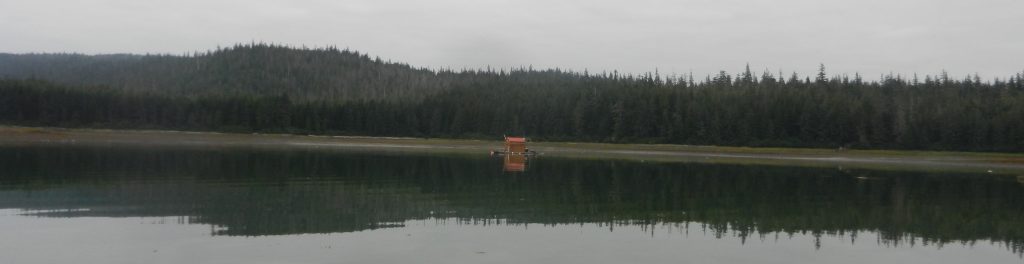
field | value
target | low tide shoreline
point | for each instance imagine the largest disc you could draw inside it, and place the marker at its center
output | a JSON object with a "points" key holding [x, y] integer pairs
{"points": [[972, 162]]}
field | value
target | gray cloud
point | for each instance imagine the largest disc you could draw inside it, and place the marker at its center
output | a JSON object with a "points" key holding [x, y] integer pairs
{"points": [[703, 36]]}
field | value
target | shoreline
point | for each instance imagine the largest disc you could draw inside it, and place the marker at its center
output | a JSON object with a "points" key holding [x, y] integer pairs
{"points": [[972, 162]]}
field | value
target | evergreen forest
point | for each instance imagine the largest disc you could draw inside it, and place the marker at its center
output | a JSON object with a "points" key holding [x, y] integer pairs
{"points": [[264, 88]]}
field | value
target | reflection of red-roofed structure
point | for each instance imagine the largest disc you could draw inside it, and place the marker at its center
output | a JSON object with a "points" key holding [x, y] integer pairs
{"points": [[515, 163], [515, 145]]}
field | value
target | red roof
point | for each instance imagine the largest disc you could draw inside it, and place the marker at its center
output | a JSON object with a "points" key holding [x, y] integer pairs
{"points": [[515, 139]]}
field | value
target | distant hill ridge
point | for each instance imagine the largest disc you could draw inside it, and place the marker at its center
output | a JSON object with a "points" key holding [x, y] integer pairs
{"points": [[304, 74]]}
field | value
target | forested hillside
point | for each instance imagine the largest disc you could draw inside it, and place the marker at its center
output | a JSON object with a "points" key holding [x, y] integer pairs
{"points": [[256, 69], [264, 88]]}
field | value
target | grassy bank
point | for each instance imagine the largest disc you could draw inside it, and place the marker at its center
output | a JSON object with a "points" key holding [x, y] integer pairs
{"points": [[994, 163]]}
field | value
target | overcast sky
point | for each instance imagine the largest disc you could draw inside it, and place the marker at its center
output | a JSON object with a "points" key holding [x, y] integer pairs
{"points": [[702, 36]]}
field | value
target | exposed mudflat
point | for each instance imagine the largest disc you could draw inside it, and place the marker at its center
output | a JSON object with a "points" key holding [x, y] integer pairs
{"points": [[994, 163]]}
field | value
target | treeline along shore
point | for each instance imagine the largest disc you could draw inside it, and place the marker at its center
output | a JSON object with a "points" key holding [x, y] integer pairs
{"points": [[269, 88]]}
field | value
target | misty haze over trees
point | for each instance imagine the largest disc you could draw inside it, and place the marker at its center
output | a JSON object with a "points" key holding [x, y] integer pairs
{"points": [[268, 88]]}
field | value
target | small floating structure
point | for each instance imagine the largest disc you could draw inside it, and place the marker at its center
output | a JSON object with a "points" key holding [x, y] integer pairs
{"points": [[514, 146], [515, 153]]}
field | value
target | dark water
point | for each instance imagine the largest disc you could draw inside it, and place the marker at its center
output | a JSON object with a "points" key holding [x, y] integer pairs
{"points": [[125, 205]]}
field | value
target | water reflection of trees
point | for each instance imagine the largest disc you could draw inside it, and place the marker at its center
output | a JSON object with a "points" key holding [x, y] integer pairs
{"points": [[286, 192]]}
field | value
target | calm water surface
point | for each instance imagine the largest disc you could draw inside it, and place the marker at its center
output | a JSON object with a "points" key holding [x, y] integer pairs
{"points": [[177, 205]]}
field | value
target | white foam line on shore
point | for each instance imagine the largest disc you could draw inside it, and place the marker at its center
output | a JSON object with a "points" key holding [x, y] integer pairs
{"points": [[375, 145]]}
